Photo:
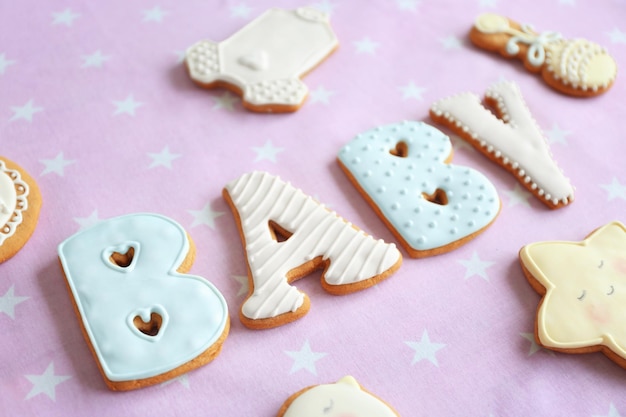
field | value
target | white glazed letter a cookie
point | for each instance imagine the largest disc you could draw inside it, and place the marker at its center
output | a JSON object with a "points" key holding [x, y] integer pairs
{"points": [[512, 139], [286, 235]]}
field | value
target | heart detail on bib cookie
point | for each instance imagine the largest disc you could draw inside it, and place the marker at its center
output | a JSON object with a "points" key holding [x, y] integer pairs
{"points": [[256, 61], [149, 323], [122, 257]]}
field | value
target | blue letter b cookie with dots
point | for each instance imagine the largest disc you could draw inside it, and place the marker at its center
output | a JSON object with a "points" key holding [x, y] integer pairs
{"points": [[430, 205]]}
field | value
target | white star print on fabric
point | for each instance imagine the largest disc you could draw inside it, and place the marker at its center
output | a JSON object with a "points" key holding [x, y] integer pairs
{"points": [[568, 2], [94, 60], [126, 106], [412, 91], [66, 17], [156, 14], [366, 46], [225, 101], [612, 412], [5, 63], [534, 347], [9, 300], [56, 165], [450, 42], [410, 5], [180, 56], [163, 158], [243, 282], [617, 36], [425, 349], [615, 190], [241, 10], [518, 195], [304, 358], [321, 95], [183, 379], [267, 152], [476, 266], [45, 383], [25, 112], [206, 216], [86, 222], [557, 135], [325, 6]]}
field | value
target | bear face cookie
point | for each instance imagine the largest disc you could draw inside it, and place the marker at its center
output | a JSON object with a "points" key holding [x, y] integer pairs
{"points": [[583, 288], [20, 202], [287, 235], [144, 319], [576, 67], [265, 61], [342, 399], [510, 137], [430, 205]]}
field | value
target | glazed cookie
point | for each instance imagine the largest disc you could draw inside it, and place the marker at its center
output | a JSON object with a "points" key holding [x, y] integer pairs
{"points": [[287, 235], [20, 202], [145, 320], [576, 67], [430, 205], [342, 399], [583, 289], [510, 138], [265, 61]]}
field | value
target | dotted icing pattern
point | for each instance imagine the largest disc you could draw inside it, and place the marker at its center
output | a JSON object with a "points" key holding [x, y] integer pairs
{"points": [[108, 297], [288, 91], [399, 185], [203, 61]]}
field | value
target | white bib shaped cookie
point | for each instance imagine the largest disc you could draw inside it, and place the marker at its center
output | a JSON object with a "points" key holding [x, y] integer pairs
{"points": [[583, 284], [144, 320], [265, 208], [265, 60], [431, 206]]}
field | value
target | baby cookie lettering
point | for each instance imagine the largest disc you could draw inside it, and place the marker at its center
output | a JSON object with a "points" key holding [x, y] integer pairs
{"points": [[583, 288], [287, 235], [342, 399], [512, 139], [265, 60], [144, 319], [431, 206]]}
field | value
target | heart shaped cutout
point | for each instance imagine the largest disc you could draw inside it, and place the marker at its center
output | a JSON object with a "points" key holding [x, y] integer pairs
{"points": [[148, 323], [401, 150], [438, 197], [122, 257], [256, 61]]}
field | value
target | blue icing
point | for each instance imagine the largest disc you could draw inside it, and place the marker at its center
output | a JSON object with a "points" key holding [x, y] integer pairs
{"points": [[397, 184]]}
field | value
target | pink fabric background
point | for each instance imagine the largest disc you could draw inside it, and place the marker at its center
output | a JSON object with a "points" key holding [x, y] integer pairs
{"points": [[443, 337]]}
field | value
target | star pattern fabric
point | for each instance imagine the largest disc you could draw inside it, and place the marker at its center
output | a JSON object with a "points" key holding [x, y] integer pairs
{"points": [[96, 104]]}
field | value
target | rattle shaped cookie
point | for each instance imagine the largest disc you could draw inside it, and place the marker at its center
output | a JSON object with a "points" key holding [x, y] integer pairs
{"points": [[583, 288], [287, 235], [430, 205], [342, 399], [264, 61], [511, 138], [576, 67], [144, 319], [20, 202]]}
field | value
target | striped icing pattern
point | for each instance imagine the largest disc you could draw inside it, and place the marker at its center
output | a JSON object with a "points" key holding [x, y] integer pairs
{"points": [[353, 256]]}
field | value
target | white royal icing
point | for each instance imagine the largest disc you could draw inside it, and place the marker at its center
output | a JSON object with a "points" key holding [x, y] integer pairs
{"points": [[109, 297], [398, 184], [13, 201], [316, 232], [585, 300], [515, 140], [267, 58], [344, 398]]}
